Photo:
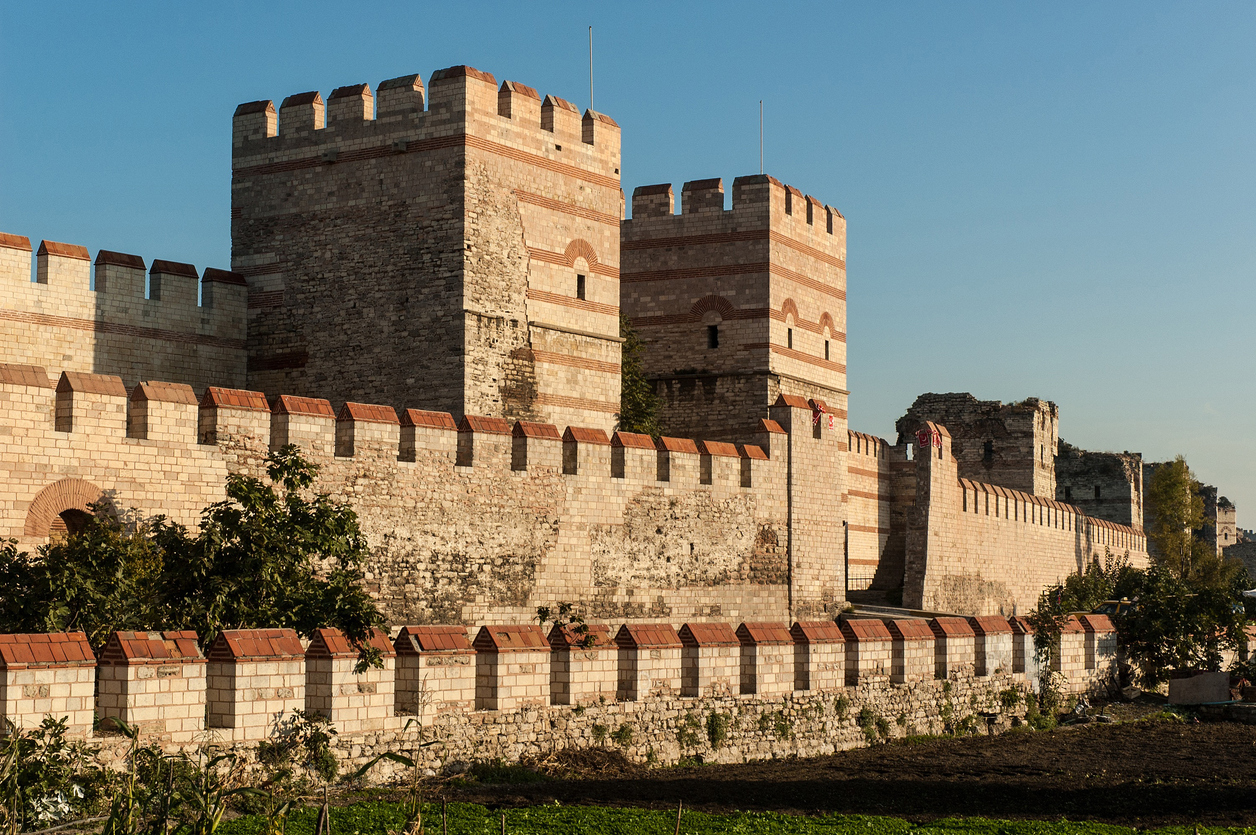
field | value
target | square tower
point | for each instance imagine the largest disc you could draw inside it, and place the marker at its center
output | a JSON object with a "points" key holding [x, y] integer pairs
{"points": [[457, 254], [736, 307]]}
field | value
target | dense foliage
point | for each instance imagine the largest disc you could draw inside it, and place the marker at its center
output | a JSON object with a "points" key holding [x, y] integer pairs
{"points": [[1186, 605], [638, 403], [271, 555]]}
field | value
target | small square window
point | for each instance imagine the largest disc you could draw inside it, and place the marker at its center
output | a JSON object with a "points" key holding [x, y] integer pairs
{"points": [[579, 287], [713, 336]]}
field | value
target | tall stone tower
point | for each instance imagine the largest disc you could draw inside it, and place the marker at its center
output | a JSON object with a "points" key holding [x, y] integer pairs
{"points": [[737, 307], [459, 253]]}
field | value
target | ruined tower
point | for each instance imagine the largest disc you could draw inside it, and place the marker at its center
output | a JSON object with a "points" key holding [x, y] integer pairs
{"points": [[454, 248], [737, 307]]}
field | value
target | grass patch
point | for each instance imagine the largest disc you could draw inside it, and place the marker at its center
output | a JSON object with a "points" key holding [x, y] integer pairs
{"points": [[375, 818], [500, 773]]}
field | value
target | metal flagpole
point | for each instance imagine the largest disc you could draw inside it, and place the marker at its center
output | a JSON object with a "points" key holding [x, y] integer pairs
{"points": [[591, 68]]}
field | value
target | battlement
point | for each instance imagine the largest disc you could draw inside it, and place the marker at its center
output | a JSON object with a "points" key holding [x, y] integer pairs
{"points": [[354, 123], [119, 315]]}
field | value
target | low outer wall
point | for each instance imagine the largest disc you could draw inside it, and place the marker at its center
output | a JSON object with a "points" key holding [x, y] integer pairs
{"points": [[980, 549]]}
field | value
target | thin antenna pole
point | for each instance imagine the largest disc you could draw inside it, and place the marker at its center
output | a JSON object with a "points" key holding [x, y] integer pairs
{"points": [[760, 136], [590, 67]]}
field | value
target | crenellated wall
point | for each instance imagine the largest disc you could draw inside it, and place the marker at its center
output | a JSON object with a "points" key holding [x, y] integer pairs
{"points": [[984, 549], [466, 521], [513, 693], [120, 316], [456, 243]]}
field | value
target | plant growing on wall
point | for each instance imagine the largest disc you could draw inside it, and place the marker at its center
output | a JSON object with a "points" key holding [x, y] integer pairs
{"points": [[638, 403], [567, 617], [270, 555]]}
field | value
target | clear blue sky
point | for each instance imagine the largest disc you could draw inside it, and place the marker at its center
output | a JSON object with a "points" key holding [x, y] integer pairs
{"points": [[1052, 200]]}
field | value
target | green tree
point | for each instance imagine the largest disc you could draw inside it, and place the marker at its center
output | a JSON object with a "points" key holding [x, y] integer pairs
{"points": [[1177, 512], [638, 404], [1081, 591], [271, 555]]}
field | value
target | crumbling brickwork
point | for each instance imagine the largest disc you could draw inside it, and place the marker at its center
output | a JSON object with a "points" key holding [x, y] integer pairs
{"points": [[1106, 485]]}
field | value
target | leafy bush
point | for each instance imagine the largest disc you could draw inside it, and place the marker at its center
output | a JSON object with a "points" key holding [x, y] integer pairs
{"points": [[623, 735], [717, 725]]}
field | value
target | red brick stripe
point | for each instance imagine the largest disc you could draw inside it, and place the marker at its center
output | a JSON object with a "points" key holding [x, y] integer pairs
{"points": [[732, 269], [561, 259], [551, 358], [266, 299], [566, 208], [778, 238], [695, 240], [50, 321], [568, 301], [867, 529], [577, 403]]}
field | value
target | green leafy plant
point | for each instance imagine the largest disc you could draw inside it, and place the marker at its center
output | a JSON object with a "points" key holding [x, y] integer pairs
{"points": [[565, 616], [638, 402], [688, 733], [717, 725], [623, 735]]}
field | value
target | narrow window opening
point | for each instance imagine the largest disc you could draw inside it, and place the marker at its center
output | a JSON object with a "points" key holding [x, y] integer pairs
{"points": [[1042, 453], [829, 212], [789, 337], [1068, 494], [826, 349], [988, 453], [713, 336], [789, 202], [809, 214], [579, 287], [1097, 491]]}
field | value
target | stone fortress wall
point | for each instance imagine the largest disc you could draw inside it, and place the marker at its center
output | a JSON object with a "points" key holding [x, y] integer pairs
{"points": [[514, 690], [432, 282], [169, 323]]}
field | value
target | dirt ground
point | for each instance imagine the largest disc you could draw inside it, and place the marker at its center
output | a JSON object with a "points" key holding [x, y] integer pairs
{"points": [[1135, 773]]}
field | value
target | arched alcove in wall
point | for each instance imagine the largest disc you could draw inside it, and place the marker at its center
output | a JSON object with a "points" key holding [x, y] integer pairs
{"points": [[60, 508]]}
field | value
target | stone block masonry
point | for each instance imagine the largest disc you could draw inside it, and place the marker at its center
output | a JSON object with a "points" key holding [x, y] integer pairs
{"points": [[765, 719], [48, 675], [458, 241], [167, 322], [254, 679]]}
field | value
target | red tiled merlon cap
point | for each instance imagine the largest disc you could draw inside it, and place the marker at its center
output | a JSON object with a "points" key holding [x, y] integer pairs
{"points": [[255, 645], [910, 629], [794, 191], [159, 392], [793, 401], [264, 106], [21, 242], [213, 275], [119, 259], [405, 82], [647, 636], [951, 628], [585, 435], [708, 635], [667, 444], [657, 188], [330, 642], [937, 427], [56, 649], [718, 448], [220, 398], [1097, 623], [566, 637], [865, 629], [818, 405], [24, 375], [521, 89], [461, 71], [138, 648], [814, 202], [817, 632], [57, 250], [764, 634], [312, 97], [290, 404], [563, 104], [367, 413], [91, 384], [174, 268], [1020, 625], [632, 440], [600, 117], [703, 185], [989, 625], [530, 429], [1072, 624], [484, 425], [414, 640], [349, 91], [525, 637], [754, 453], [772, 426], [428, 420]]}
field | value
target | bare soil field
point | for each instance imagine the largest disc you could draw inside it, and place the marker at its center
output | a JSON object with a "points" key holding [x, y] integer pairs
{"points": [[1146, 773]]}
